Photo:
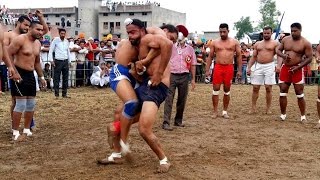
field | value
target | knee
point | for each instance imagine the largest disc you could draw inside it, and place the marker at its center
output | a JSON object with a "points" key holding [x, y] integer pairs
{"points": [[143, 131], [131, 108], [30, 104], [20, 105], [299, 96], [268, 90], [256, 89]]}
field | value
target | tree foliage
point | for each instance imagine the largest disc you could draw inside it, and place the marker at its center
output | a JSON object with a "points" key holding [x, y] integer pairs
{"points": [[269, 14], [243, 26]]}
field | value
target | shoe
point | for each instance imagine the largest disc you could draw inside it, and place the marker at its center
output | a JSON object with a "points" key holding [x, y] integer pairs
{"points": [[167, 127], [68, 97], [179, 124]]}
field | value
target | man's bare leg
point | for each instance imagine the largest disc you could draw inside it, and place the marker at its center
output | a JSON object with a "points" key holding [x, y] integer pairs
{"points": [[215, 99], [255, 96], [226, 100], [298, 88], [268, 98], [283, 100], [146, 121]]}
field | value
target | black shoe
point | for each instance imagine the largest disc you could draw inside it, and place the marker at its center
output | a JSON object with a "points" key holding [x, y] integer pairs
{"points": [[179, 124], [167, 127]]}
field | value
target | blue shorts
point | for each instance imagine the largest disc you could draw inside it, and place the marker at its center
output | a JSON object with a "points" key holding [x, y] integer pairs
{"points": [[118, 73], [156, 94]]}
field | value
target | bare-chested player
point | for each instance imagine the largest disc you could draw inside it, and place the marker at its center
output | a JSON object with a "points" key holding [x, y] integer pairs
{"points": [[294, 47], [223, 49], [25, 49], [22, 27], [264, 73], [318, 100], [5, 57], [156, 91]]}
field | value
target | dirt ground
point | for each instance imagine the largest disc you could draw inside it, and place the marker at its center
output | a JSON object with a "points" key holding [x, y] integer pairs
{"points": [[71, 135]]}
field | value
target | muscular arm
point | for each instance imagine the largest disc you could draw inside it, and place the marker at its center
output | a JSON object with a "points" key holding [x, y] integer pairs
{"points": [[5, 56], [308, 54], [209, 58], [280, 49], [37, 66], [15, 45], [151, 55], [239, 57], [44, 24]]}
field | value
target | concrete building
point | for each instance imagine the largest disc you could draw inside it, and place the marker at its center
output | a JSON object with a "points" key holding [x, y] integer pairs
{"points": [[111, 18], [211, 35], [97, 18]]}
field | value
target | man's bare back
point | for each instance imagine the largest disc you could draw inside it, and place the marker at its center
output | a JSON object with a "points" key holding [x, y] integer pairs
{"points": [[294, 49], [225, 49], [126, 53], [265, 51]]}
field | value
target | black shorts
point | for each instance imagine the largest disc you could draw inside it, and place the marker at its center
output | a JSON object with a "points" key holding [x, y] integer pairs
{"points": [[27, 87], [156, 94]]}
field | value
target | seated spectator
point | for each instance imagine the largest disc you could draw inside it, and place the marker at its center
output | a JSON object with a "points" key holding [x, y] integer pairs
{"points": [[47, 75], [101, 77]]}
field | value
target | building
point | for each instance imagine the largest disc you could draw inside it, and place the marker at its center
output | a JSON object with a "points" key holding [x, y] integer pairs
{"points": [[211, 35], [112, 17], [97, 18]]}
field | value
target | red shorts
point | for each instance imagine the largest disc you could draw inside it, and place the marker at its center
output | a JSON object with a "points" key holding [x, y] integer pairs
{"points": [[286, 76], [223, 74]]}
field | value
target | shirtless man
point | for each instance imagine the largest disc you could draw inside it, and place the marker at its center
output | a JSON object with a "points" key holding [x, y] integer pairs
{"points": [[318, 100], [264, 73], [291, 71], [5, 57], [22, 27], [139, 40], [223, 49], [25, 49]]}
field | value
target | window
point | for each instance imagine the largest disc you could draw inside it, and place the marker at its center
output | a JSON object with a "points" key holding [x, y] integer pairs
{"points": [[45, 15], [111, 27], [145, 23], [68, 15], [117, 25], [144, 13], [105, 14], [57, 23], [131, 14], [105, 25], [117, 14], [57, 15]]}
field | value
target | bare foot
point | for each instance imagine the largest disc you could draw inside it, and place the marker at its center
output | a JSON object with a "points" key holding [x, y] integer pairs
{"points": [[163, 168], [111, 136], [214, 115], [106, 161], [252, 111], [317, 126]]}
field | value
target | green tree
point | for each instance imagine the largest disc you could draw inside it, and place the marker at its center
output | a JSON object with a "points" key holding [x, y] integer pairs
{"points": [[269, 14], [243, 26]]}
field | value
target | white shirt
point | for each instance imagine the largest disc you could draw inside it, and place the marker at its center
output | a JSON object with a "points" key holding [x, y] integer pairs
{"points": [[73, 54], [60, 48]]}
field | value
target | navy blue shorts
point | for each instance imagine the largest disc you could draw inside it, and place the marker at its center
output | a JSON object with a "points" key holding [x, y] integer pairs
{"points": [[156, 94]]}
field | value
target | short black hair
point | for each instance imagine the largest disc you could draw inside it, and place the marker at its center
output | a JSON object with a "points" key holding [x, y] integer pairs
{"points": [[267, 28], [33, 23], [224, 25], [296, 25], [171, 28], [23, 18], [138, 23], [62, 30]]}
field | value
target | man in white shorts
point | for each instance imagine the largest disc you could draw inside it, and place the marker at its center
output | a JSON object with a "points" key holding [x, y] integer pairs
{"points": [[264, 73]]}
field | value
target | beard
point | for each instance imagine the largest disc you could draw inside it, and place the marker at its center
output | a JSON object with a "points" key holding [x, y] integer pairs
{"points": [[36, 36], [267, 38], [135, 42], [23, 31]]}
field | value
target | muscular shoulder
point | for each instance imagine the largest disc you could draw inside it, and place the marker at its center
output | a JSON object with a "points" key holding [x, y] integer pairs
{"points": [[306, 42], [156, 30]]}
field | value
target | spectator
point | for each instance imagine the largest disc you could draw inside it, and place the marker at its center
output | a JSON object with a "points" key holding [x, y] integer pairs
{"points": [[74, 48], [92, 48], [101, 77], [81, 58], [47, 75]]}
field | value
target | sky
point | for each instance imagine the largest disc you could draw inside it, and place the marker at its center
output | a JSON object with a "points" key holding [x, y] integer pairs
{"points": [[206, 15]]}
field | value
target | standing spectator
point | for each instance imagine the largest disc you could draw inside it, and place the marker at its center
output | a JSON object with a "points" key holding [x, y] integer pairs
{"points": [[60, 63], [81, 59], [245, 54], [182, 62], [314, 67], [44, 54], [74, 48], [90, 58]]}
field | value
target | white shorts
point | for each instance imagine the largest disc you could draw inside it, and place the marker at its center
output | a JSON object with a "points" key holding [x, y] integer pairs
{"points": [[264, 74]]}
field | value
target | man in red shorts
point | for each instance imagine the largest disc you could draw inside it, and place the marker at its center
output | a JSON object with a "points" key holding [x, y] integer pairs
{"points": [[223, 50], [297, 54]]}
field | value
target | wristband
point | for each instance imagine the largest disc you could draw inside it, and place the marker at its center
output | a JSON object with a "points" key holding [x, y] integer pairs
{"points": [[42, 77]]}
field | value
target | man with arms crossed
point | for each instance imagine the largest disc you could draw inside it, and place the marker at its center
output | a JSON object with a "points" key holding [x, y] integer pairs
{"points": [[264, 73], [26, 50], [291, 71], [318, 100], [223, 49]]}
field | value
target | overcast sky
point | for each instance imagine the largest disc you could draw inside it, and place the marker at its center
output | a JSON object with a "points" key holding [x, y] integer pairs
{"points": [[206, 15]]}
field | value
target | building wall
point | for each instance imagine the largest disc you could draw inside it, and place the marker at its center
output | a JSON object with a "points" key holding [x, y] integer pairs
{"points": [[211, 35], [88, 17], [161, 15]]}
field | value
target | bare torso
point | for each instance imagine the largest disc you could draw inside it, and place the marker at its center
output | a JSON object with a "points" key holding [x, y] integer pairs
{"points": [[266, 51], [126, 53], [224, 50], [1, 43], [8, 36], [26, 56], [295, 49]]}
